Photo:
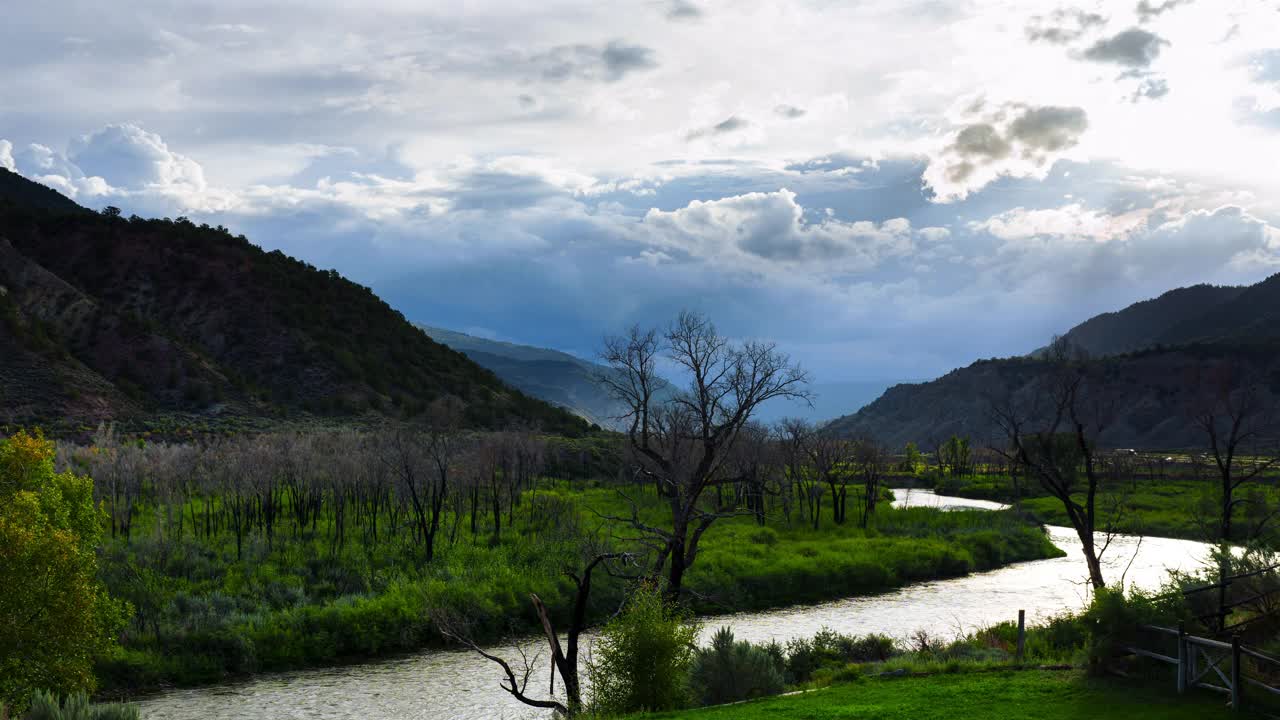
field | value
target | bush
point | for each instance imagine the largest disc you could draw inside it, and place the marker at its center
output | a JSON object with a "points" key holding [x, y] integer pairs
{"points": [[1111, 620], [730, 671], [830, 649], [642, 658], [45, 706]]}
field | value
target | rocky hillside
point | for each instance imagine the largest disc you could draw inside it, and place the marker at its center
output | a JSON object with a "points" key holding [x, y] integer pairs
{"points": [[111, 318]]}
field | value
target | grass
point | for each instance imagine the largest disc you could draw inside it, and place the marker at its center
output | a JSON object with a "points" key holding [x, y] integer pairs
{"points": [[1177, 507], [1010, 695]]}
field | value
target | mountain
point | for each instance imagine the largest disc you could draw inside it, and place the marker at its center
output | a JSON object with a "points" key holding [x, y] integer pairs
{"points": [[1145, 357], [830, 400], [1150, 322], [556, 377], [107, 318]]}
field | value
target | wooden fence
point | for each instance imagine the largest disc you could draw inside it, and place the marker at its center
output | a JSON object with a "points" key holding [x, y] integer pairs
{"points": [[1211, 664]]}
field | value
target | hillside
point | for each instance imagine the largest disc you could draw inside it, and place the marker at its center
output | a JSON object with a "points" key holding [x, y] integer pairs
{"points": [[107, 318], [1150, 393], [1150, 322], [556, 377], [1146, 354]]}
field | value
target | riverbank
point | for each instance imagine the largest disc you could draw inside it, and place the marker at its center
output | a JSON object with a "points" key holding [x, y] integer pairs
{"points": [[1174, 507], [204, 617], [1027, 695]]}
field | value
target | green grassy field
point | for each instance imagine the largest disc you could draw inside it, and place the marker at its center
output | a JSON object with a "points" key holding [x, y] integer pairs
{"points": [[1179, 507], [1009, 695]]}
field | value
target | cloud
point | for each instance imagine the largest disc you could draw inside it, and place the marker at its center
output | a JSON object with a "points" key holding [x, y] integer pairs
{"points": [[1024, 146], [6, 156], [683, 10], [1264, 66], [767, 232], [790, 112], [133, 158], [1148, 11], [1071, 222], [608, 63], [1063, 26], [1150, 88], [730, 124], [1134, 47]]}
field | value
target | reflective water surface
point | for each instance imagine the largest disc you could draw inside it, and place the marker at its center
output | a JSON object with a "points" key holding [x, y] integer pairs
{"points": [[455, 685]]}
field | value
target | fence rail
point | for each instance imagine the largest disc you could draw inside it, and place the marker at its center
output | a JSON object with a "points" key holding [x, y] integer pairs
{"points": [[1211, 664]]}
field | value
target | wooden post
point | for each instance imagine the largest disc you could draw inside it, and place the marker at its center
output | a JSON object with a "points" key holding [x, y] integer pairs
{"points": [[1236, 690], [1182, 657], [1022, 634]]}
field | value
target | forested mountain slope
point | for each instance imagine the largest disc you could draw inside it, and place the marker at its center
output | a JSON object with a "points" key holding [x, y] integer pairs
{"points": [[113, 318]]}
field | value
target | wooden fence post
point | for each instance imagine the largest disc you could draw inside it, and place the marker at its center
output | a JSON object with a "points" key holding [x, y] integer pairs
{"points": [[1022, 634], [1182, 657], [1236, 690]]}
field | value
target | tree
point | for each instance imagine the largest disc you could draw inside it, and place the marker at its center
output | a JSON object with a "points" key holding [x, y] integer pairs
{"points": [[1232, 411], [641, 660], [869, 460], [955, 456], [1054, 438], [681, 442], [911, 459], [564, 657], [54, 614], [828, 460]]}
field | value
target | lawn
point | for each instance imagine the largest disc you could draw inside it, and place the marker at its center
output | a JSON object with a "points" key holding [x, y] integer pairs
{"points": [[1010, 695]]}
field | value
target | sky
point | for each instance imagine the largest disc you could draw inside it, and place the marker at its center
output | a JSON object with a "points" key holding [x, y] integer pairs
{"points": [[888, 189]]}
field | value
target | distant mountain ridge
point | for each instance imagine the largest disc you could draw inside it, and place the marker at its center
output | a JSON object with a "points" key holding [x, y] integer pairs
{"points": [[107, 318], [557, 377], [1148, 355], [1150, 322]]}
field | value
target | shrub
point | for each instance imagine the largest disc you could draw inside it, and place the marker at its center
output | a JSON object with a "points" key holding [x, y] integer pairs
{"points": [[830, 649], [45, 706], [641, 659], [730, 671]]}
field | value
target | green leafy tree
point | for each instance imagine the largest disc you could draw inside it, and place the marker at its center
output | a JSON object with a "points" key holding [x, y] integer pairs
{"points": [[54, 614], [911, 459], [642, 658]]}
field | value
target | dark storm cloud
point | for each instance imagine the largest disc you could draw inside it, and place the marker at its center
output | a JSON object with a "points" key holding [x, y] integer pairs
{"points": [[1133, 48], [1063, 26]]}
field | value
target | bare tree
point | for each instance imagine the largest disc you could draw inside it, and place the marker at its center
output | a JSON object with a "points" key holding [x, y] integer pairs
{"points": [[828, 456], [1238, 423], [793, 437], [870, 461], [564, 656], [1055, 440], [681, 443]]}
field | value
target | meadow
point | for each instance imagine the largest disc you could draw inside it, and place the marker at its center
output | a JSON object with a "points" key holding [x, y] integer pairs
{"points": [[1179, 505], [1013, 694], [225, 584]]}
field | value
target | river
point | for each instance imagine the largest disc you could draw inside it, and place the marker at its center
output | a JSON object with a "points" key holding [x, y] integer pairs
{"points": [[456, 685]]}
